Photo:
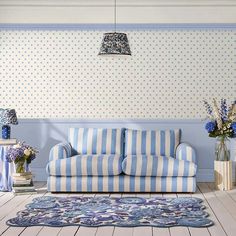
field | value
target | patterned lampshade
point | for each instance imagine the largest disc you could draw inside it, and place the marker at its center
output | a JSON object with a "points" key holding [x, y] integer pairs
{"points": [[8, 117], [115, 43]]}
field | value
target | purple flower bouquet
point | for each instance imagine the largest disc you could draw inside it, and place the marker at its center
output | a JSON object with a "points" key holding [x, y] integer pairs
{"points": [[21, 154]]}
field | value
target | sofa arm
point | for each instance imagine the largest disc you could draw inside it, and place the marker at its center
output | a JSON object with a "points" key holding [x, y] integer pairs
{"points": [[185, 152], [60, 151]]}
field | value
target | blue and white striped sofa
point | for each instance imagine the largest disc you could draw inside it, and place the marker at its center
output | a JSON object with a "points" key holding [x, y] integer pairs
{"points": [[122, 160]]}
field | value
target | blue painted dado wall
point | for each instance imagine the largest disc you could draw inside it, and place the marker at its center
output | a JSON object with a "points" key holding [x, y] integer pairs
{"points": [[44, 133]]}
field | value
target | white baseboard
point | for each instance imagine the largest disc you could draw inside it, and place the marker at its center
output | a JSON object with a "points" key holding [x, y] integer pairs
{"points": [[203, 175]]}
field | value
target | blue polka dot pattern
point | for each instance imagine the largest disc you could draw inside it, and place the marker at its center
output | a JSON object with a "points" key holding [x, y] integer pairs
{"points": [[58, 74]]}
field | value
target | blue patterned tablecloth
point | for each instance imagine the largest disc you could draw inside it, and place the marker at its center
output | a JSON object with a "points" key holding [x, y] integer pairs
{"points": [[6, 170]]}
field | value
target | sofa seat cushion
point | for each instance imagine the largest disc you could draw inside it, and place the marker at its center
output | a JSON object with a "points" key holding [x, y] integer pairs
{"points": [[86, 165], [148, 165]]}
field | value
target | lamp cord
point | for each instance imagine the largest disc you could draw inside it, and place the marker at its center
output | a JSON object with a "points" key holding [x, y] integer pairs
{"points": [[115, 15]]}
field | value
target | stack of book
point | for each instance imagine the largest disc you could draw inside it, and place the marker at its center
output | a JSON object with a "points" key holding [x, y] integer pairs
{"points": [[11, 141], [23, 183]]}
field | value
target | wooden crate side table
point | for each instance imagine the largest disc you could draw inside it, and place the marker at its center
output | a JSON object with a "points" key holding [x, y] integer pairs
{"points": [[223, 175]]}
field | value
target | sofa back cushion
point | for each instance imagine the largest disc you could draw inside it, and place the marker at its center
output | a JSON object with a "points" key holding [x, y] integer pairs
{"points": [[151, 142], [96, 141]]}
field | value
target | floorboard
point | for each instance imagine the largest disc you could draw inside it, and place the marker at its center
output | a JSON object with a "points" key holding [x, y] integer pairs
{"points": [[141, 231], [68, 231], [123, 231], [6, 197], [30, 231], [52, 231], [180, 230], [232, 194], [22, 201], [86, 231], [105, 231], [195, 231], [226, 200], [216, 229], [225, 219], [221, 206], [160, 231]]}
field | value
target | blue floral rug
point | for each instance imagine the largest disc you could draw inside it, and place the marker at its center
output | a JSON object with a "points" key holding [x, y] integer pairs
{"points": [[104, 211]]}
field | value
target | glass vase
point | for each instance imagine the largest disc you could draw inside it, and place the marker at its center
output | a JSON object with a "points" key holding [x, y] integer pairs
{"points": [[222, 149], [21, 166]]}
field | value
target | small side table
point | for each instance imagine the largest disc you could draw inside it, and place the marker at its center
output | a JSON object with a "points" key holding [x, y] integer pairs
{"points": [[6, 170], [223, 175]]}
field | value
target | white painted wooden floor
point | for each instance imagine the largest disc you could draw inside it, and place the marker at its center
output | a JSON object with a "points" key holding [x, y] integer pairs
{"points": [[220, 205]]}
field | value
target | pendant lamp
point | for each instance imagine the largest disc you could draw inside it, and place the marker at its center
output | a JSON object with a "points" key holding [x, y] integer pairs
{"points": [[115, 43]]}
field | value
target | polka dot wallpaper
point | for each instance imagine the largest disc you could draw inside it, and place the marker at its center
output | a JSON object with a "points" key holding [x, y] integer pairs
{"points": [[58, 74]]}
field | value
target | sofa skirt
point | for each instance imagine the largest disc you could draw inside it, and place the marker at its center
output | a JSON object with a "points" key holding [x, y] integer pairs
{"points": [[120, 183]]}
